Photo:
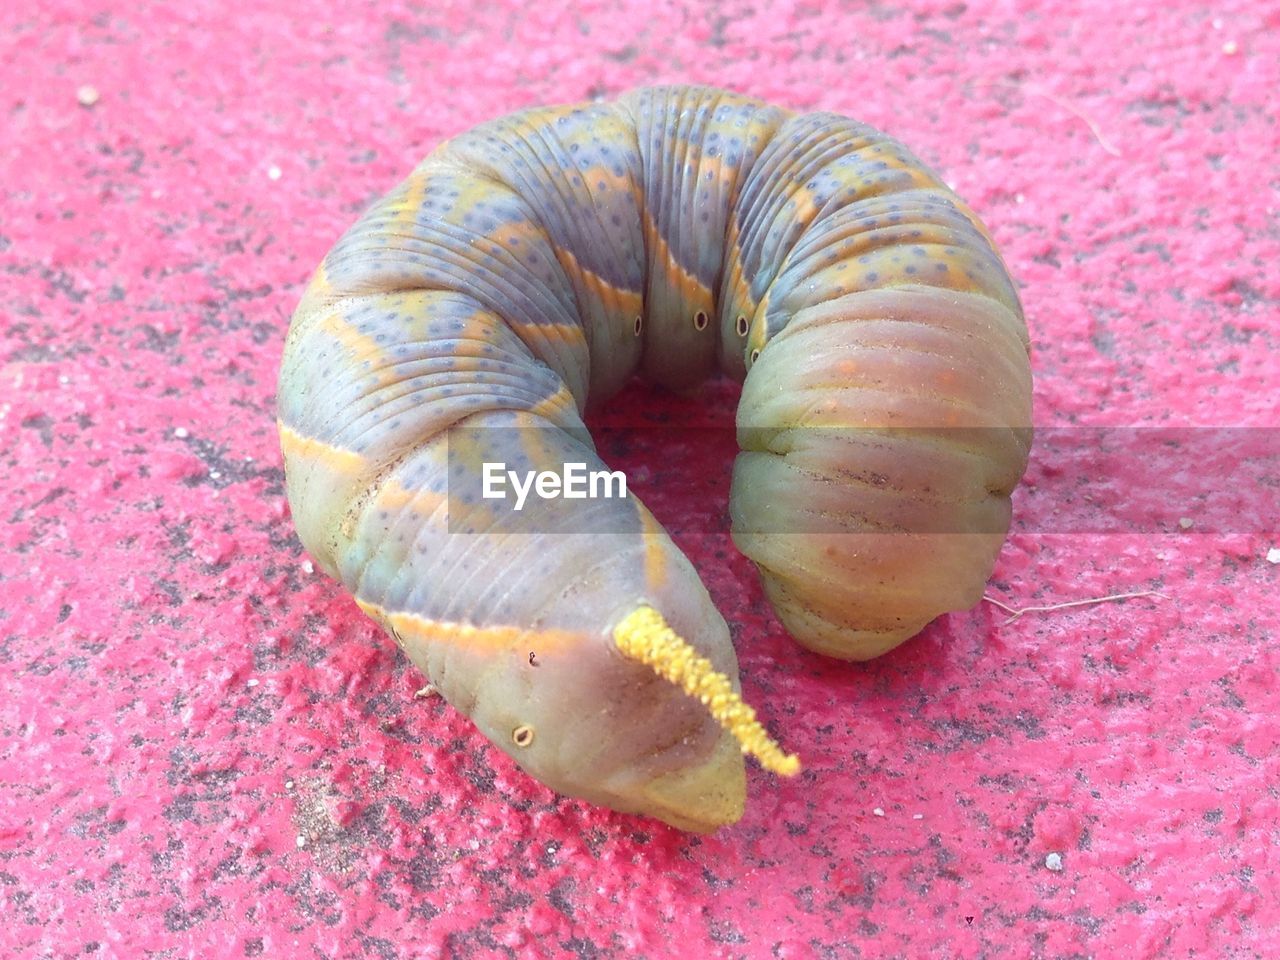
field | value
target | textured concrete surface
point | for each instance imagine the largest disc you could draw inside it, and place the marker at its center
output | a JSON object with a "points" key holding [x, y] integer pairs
{"points": [[205, 749]]}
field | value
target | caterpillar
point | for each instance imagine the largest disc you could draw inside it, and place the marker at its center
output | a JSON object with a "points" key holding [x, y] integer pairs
{"points": [[527, 269]]}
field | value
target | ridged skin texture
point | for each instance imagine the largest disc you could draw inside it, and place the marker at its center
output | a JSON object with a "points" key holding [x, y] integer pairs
{"points": [[530, 267]]}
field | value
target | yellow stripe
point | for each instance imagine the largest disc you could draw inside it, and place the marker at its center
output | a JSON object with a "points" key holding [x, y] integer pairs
{"points": [[551, 407], [295, 444], [395, 496], [740, 292], [565, 332], [805, 206], [318, 294], [361, 346], [655, 554], [489, 640], [404, 211]]}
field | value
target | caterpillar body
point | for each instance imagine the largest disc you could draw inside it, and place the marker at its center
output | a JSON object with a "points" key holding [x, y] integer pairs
{"points": [[531, 266]]}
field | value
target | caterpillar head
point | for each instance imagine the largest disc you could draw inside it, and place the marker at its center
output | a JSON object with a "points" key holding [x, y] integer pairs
{"points": [[641, 722]]}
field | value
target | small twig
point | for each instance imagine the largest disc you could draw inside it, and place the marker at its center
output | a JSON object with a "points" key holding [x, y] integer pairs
{"points": [[1067, 105], [1041, 608]]}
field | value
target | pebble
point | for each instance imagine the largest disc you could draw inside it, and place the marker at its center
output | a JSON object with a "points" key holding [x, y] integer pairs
{"points": [[87, 96], [1054, 862]]}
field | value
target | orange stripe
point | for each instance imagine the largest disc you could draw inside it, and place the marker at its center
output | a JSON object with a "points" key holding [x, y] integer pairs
{"points": [[487, 640], [627, 302], [655, 556], [691, 288]]}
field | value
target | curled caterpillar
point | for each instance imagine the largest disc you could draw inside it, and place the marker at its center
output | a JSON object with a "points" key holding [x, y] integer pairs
{"points": [[528, 268]]}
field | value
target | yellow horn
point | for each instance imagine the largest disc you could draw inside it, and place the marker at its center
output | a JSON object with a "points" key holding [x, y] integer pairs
{"points": [[645, 636]]}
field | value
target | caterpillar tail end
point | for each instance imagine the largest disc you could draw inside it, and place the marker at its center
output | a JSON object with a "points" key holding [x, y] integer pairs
{"points": [[645, 636]]}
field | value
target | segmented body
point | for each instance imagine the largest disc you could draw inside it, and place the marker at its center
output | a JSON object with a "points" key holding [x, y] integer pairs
{"points": [[531, 266]]}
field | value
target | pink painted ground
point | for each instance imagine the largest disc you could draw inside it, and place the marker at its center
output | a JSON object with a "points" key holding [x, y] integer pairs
{"points": [[208, 751]]}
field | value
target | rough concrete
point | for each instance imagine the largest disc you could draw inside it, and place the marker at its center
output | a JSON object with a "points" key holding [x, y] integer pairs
{"points": [[207, 750]]}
